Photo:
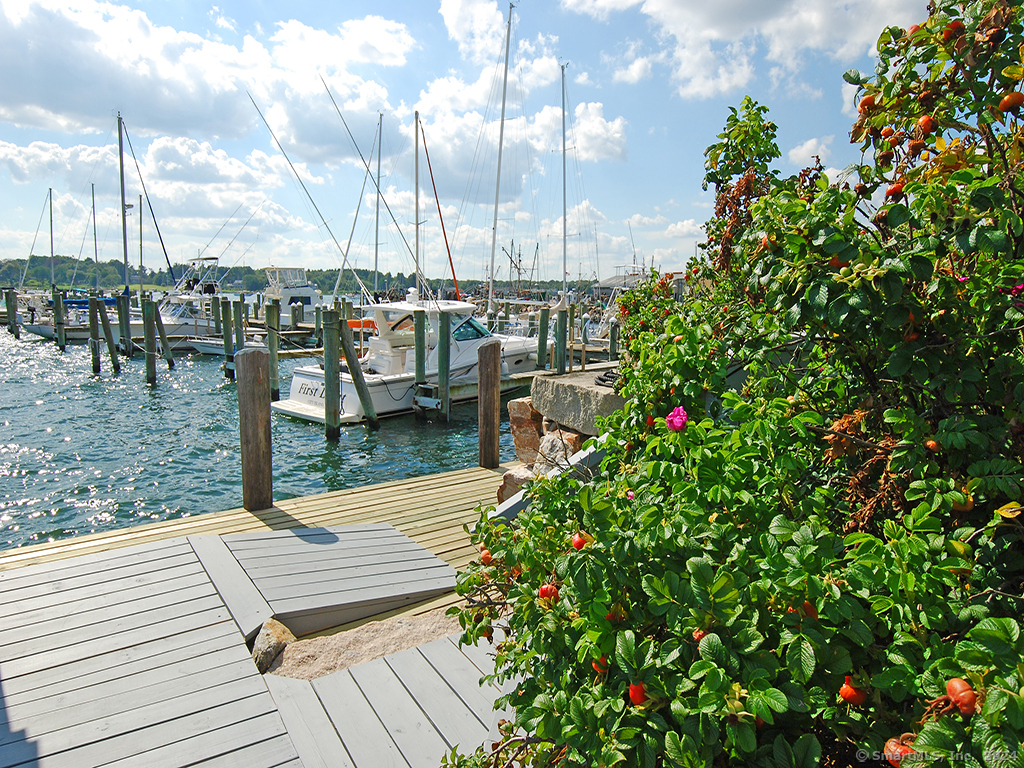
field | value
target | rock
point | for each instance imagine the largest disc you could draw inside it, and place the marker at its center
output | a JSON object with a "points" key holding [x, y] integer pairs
{"points": [[525, 423], [574, 400], [271, 640], [555, 450], [513, 481]]}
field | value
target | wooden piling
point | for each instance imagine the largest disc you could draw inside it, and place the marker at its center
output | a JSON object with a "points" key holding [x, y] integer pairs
{"points": [[560, 337], [124, 325], [11, 298], [444, 358], [419, 319], [296, 316], [332, 376], [58, 320], [149, 334], [108, 335], [229, 349], [542, 338], [489, 402], [239, 314], [272, 318], [348, 347], [164, 344], [253, 376], [94, 334], [215, 310], [318, 325], [613, 339]]}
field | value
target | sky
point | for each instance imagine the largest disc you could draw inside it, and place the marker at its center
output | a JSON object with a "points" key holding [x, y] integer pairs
{"points": [[647, 86]]}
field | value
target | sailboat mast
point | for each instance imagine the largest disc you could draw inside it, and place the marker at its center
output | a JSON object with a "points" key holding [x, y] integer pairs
{"points": [[95, 242], [140, 250], [497, 184], [416, 177], [52, 280], [376, 226], [565, 265], [124, 220]]}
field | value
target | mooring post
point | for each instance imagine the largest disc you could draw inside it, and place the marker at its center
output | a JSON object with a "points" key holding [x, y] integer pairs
{"points": [[239, 309], [531, 324], [560, 333], [542, 338], [571, 335], [94, 334], [332, 376], [165, 345], [348, 347], [215, 309], [245, 311], [296, 317], [489, 402], [149, 335], [58, 319], [108, 334], [11, 297], [272, 316], [229, 349], [613, 339], [124, 325], [254, 429], [318, 325], [444, 358]]}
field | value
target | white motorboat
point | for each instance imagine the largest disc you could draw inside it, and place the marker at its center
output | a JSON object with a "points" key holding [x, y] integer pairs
{"points": [[289, 285], [390, 362], [214, 345]]}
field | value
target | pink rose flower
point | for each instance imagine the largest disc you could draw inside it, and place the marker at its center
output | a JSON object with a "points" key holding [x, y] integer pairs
{"points": [[630, 495], [676, 421]]}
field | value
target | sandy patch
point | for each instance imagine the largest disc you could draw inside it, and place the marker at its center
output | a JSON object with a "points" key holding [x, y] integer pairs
{"points": [[319, 656]]}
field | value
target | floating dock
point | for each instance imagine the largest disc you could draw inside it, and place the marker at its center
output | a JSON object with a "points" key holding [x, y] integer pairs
{"points": [[128, 648]]}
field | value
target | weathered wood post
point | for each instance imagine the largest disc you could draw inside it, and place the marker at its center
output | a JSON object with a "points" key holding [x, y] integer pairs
{"points": [[239, 315], [296, 316], [272, 316], [149, 335], [215, 308], [571, 335], [94, 333], [165, 344], [124, 325], [542, 338], [11, 297], [489, 402], [531, 324], [507, 309], [229, 348], [254, 429], [348, 347], [318, 325], [108, 334], [245, 310], [500, 326], [613, 339], [560, 333], [489, 317], [419, 325], [444, 359], [332, 376], [58, 320]]}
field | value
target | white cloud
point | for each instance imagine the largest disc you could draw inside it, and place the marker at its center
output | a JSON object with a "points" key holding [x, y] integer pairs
{"points": [[849, 97], [637, 70], [639, 220], [599, 9], [688, 228], [583, 78], [221, 20], [477, 26], [803, 154]]}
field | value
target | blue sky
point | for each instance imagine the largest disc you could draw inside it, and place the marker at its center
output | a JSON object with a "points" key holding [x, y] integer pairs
{"points": [[649, 84]]}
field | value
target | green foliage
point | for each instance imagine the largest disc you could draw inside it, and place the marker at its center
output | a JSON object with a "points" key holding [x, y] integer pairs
{"points": [[845, 496]]}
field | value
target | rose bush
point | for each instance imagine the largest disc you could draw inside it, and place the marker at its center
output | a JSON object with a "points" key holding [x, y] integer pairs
{"points": [[805, 571]]}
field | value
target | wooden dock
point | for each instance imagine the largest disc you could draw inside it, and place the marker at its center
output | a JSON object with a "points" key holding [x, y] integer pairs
{"points": [[124, 648]]}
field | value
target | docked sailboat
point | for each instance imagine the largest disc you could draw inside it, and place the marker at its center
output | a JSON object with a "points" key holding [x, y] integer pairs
{"points": [[389, 364]]}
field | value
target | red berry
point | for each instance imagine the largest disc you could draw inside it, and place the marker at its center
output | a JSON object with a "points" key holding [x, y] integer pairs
{"points": [[927, 124], [887, 132], [698, 634], [934, 447], [1011, 102], [866, 104], [637, 693], [650, 420], [578, 541], [600, 665], [485, 557], [809, 610], [852, 695], [548, 592], [952, 30], [960, 691], [895, 191]]}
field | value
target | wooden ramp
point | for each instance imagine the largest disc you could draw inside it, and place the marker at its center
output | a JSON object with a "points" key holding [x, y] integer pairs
{"points": [[405, 710], [129, 658]]}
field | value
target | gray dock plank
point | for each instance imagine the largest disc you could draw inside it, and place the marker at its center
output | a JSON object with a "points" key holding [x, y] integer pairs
{"points": [[258, 539], [454, 721], [309, 727], [271, 566], [53, 658], [408, 725], [463, 676], [248, 606], [180, 647], [480, 654], [361, 731]]}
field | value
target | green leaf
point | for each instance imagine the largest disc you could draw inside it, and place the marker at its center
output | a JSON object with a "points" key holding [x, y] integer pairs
{"points": [[625, 651], [800, 660], [898, 214], [806, 751], [782, 753], [775, 699], [853, 77]]}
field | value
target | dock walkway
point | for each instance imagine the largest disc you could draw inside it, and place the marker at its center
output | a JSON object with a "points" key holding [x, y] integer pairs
{"points": [[121, 648]]}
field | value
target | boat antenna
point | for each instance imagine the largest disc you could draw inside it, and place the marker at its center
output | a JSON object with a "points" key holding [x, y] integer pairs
{"points": [[497, 183], [344, 255], [376, 183], [458, 293], [149, 202]]}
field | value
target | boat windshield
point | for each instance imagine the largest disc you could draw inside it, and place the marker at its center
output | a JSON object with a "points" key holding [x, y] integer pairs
{"points": [[470, 330]]}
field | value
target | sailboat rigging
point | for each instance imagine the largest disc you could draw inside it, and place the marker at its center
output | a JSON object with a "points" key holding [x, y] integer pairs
{"points": [[497, 183]]}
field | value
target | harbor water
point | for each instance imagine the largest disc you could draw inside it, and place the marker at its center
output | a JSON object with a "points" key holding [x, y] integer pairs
{"points": [[81, 453]]}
